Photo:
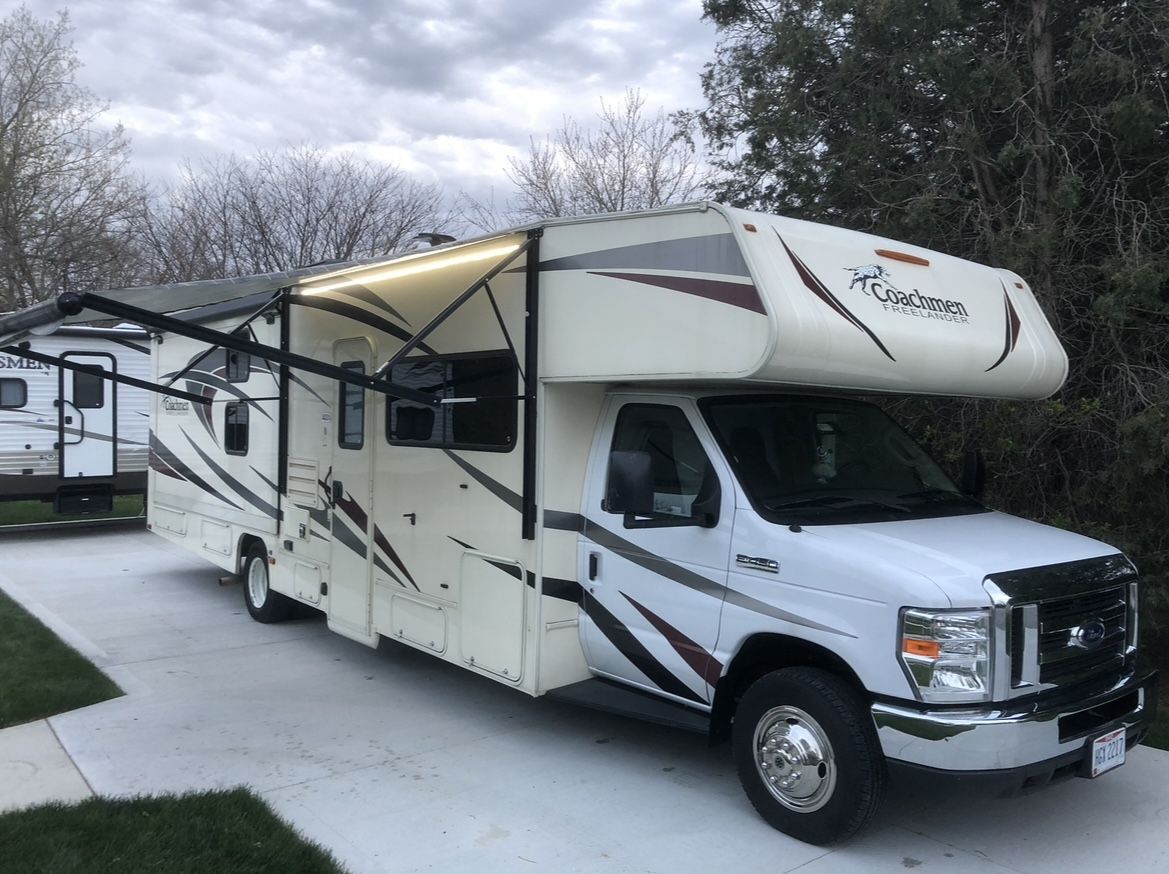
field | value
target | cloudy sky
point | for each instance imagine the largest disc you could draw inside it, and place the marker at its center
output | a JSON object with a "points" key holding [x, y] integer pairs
{"points": [[445, 89]]}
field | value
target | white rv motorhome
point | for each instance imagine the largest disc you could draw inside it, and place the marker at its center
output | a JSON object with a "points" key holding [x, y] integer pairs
{"points": [[70, 435], [618, 459]]}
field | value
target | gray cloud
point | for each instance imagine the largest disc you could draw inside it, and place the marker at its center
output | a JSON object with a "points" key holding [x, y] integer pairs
{"points": [[446, 89]]}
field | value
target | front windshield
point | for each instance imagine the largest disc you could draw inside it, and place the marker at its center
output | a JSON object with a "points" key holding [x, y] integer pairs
{"points": [[827, 460]]}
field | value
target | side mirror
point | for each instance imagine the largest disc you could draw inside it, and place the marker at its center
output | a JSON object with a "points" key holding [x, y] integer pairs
{"points": [[630, 484], [973, 474]]}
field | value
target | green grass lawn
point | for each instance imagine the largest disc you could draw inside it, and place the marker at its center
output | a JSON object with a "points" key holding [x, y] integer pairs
{"points": [[39, 675], [227, 831], [29, 512]]}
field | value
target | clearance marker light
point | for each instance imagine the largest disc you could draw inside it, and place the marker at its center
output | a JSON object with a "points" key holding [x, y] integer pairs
{"points": [[903, 256]]}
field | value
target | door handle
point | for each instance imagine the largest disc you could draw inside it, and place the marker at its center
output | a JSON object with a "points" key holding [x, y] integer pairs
{"points": [[594, 564], [68, 420], [338, 491]]}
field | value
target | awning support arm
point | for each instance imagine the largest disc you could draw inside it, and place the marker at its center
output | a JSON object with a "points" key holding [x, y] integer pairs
{"points": [[411, 344], [199, 360], [23, 350], [503, 327], [70, 303]]}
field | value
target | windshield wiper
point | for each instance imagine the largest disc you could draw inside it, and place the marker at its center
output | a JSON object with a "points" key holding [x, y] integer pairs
{"points": [[837, 502], [935, 495]]}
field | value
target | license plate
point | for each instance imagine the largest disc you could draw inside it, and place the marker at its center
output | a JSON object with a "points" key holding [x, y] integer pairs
{"points": [[1108, 752]]}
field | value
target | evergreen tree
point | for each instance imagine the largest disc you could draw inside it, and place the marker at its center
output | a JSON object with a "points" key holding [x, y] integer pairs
{"points": [[1027, 134]]}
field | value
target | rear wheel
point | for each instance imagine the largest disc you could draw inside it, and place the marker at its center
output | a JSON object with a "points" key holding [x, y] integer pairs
{"points": [[807, 754], [264, 605]]}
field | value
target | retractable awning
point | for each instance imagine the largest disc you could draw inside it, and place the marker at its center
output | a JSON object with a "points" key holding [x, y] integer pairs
{"points": [[179, 308], [44, 317]]}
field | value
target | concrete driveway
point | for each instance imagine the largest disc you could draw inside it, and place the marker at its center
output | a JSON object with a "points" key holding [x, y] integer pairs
{"points": [[397, 762]]}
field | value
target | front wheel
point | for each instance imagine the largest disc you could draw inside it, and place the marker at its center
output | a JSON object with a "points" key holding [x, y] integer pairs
{"points": [[807, 754], [263, 604]]}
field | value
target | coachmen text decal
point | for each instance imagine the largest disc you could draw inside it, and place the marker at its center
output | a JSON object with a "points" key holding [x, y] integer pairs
{"points": [[13, 362], [874, 281], [175, 406]]}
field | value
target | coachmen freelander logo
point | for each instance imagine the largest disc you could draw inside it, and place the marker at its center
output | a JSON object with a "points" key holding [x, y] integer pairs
{"points": [[875, 281]]}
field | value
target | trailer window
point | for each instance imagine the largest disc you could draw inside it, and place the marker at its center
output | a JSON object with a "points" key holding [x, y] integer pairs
{"points": [[89, 389], [235, 428], [485, 420], [351, 427], [13, 393], [238, 365]]}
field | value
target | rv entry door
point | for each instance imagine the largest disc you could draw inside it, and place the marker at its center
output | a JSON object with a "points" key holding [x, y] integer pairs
{"points": [[87, 417], [350, 488]]}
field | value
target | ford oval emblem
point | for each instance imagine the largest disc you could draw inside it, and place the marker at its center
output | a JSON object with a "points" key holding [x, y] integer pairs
{"points": [[1088, 634]]}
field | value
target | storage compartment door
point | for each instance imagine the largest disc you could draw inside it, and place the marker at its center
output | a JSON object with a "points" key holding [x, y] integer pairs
{"points": [[492, 614]]}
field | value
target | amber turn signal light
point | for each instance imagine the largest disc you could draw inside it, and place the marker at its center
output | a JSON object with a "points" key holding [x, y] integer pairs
{"points": [[928, 648]]}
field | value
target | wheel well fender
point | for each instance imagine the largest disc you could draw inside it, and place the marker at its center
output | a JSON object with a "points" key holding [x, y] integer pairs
{"points": [[761, 654], [246, 542]]}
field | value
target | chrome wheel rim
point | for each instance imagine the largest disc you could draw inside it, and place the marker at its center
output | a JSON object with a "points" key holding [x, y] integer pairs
{"points": [[257, 582], [794, 759]]}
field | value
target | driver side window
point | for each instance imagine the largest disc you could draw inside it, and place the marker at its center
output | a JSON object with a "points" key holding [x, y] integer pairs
{"points": [[683, 481]]}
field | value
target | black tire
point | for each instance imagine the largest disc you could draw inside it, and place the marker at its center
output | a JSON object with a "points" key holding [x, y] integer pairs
{"points": [[817, 798], [263, 604]]}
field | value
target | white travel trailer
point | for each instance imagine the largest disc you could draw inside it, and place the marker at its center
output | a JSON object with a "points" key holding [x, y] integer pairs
{"points": [[614, 459], [67, 433]]}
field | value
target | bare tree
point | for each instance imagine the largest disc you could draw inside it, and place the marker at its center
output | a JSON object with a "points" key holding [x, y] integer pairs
{"points": [[631, 160], [235, 216], [66, 197]]}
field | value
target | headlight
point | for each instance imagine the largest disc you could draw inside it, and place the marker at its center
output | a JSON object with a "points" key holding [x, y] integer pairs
{"points": [[947, 654]]}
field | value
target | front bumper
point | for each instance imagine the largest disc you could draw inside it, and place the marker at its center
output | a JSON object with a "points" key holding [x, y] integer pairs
{"points": [[1019, 734]]}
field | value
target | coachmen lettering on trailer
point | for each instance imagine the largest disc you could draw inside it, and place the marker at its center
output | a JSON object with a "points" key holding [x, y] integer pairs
{"points": [[618, 460]]}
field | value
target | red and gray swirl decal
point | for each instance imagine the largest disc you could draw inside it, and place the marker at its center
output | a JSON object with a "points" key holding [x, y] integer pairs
{"points": [[1014, 326], [662, 264], [818, 288]]}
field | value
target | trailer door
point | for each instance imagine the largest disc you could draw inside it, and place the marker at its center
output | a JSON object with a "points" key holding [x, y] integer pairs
{"points": [[350, 488], [87, 415]]}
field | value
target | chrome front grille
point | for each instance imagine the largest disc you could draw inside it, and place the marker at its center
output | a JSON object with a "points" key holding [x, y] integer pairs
{"points": [[1064, 655], [1062, 624]]}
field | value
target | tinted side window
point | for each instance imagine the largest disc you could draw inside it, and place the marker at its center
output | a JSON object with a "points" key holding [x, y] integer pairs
{"points": [[488, 422], [13, 393], [89, 389], [235, 428], [682, 475], [238, 366], [351, 424]]}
